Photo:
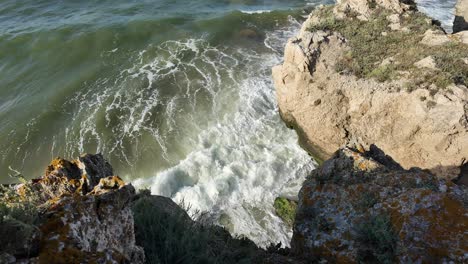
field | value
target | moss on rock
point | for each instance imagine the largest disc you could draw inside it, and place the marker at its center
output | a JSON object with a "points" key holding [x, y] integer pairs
{"points": [[286, 209]]}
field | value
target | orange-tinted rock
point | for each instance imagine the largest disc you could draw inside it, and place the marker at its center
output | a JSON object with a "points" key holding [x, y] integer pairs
{"points": [[86, 214], [108, 184], [63, 168], [63, 177], [91, 229]]}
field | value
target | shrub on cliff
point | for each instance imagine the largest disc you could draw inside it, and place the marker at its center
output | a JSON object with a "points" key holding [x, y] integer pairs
{"points": [[18, 220], [377, 240], [285, 209], [168, 235]]}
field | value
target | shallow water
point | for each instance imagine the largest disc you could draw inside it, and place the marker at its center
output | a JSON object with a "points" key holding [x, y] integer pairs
{"points": [[176, 94]]}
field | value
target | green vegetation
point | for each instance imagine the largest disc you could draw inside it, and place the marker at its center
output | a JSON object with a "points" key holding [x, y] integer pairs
{"points": [[377, 240], [285, 209], [371, 42], [170, 236]]}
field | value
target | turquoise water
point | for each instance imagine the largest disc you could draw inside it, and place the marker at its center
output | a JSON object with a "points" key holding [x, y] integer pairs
{"points": [[176, 94]]}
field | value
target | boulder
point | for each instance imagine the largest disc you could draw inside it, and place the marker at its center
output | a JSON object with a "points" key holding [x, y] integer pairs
{"points": [[91, 229], [94, 168], [461, 16], [85, 215], [361, 206], [434, 38], [427, 62]]}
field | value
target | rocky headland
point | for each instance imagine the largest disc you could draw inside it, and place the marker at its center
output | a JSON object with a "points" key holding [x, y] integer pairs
{"points": [[378, 72], [377, 93]]}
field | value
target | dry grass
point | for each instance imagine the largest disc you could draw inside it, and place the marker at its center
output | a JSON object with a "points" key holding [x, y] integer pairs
{"points": [[369, 47]]}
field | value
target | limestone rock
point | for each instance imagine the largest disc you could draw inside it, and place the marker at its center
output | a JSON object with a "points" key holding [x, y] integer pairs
{"points": [[461, 16], [461, 36], [427, 62], [434, 38], [85, 215], [91, 228], [362, 206], [430, 134]]}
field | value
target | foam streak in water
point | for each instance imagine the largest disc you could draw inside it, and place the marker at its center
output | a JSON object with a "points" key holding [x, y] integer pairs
{"points": [[243, 162]]}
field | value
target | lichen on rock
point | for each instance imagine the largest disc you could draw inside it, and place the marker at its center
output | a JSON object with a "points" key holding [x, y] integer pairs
{"points": [[84, 215], [363, 207]]}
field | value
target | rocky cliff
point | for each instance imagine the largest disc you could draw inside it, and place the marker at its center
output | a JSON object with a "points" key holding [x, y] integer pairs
{"points": [[82, 215], [360, 74], [378, 72], [363, 74]]}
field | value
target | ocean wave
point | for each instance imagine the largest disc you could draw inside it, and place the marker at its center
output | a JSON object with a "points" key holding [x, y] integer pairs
{"points": [[240, 164], [255, 11]]}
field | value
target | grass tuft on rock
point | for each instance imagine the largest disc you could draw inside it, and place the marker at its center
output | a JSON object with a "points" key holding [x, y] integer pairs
{"points": [[285, 209], [371, 42], [377, 240]]}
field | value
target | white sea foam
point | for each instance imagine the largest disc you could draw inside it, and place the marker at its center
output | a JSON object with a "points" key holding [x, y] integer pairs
{"points": [[243, 162], [230, 153], [255, 11]]}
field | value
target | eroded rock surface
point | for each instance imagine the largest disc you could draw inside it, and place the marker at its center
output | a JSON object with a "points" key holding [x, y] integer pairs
{"points": [[85, 215], [423, 127], [362, 206]]}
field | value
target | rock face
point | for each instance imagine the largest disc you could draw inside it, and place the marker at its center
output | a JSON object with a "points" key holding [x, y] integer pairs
{"points": [[87, 216], [362, 206], [91, 228], [419, 128], [461, 16]]}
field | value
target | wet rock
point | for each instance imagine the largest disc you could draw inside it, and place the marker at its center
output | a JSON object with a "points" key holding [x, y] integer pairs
{"points": [[286, 209], [356, 209], [249, 34]]}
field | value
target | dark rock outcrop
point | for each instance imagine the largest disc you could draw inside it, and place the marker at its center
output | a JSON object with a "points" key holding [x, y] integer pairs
{"points": [[461, 16], [361, 207]]}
